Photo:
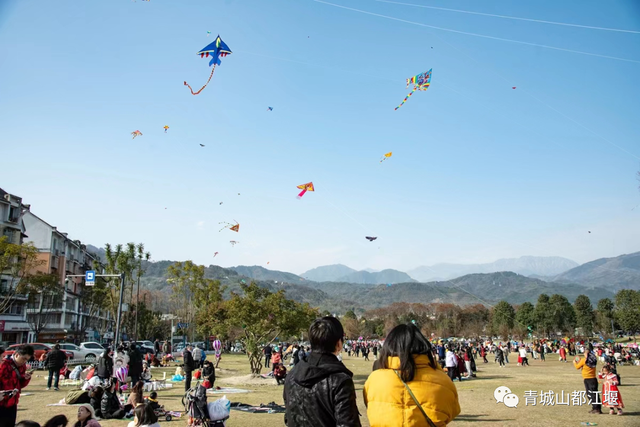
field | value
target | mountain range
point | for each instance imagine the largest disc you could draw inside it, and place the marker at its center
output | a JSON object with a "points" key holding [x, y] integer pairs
{"points": [[363, 290]]}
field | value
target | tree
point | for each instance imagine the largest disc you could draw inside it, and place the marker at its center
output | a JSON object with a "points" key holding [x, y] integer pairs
{"points": [[92, 300], [123, 260], [502, 318], [18, 265], [203, 297], [526, 318], [585, 317], [264, 316], [45, 296], [350, 314], [542, 314], [562, 314], [627, 311], [605, 314]]}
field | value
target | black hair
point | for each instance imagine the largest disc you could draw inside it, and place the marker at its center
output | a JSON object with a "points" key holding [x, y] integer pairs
{"points": [[145, 415], [57, 346], [324, 334], [25, 350], [153, 395], [58, 420], [403, 342], [27, 423], [96, 393]]}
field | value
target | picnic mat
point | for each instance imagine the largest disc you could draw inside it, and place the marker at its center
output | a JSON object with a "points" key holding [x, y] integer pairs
{"points": [[66, 404], [227, 390], [269, 408]]}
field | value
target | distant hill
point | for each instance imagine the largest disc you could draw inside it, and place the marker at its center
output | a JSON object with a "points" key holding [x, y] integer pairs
{"points": [[260, 273], [621, 272], [376, 278], [99, 252], [328, 273], [471, 289], [526, 265]]}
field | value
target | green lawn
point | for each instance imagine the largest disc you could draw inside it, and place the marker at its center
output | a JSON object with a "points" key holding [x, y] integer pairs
{"points": [[476, 396]]}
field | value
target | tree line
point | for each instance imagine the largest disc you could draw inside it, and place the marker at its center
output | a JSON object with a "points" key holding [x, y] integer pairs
{"points": [[551, 315]]}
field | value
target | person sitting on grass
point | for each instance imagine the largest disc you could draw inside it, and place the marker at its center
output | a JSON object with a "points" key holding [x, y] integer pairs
{"points": [[152, 401], [209, 372], [144, 416], [279, 373], [135, 398], [57, 421], [86, 417], [95, 400], [110, 405]]}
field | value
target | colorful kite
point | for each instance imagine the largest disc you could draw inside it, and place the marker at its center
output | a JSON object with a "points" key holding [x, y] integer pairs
{"points": [[419, 82], [270, 108], [208, 33], [166, 128], [305, 187], [218, 49], [136, 133], [230, 226], [386, 156], [371, 239]]}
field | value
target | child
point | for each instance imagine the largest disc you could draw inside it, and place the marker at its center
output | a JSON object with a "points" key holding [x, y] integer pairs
{"points": [[209, 372], [279, 373], [611, 397], [152, 401]]}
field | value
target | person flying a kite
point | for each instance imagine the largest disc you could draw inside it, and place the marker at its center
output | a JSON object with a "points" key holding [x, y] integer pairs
{"points": [[419, 82], [233, 227], [305, 187], [218, 49]]}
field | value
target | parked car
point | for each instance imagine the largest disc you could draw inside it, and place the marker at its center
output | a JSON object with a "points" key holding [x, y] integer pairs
{"points": [[79, 353], [93, 349], [146, 344], [39, 350]]}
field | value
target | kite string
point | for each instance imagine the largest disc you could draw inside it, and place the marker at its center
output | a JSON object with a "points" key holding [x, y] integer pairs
{"points": [[476, 34], [205, 85], [511, 17]]}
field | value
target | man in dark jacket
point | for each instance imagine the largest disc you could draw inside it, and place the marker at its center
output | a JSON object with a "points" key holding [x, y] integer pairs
{"points": [[189, 365], [105, 365], [135, 363], [156, 347], [267, 355], [54, 362], [319, 391]]}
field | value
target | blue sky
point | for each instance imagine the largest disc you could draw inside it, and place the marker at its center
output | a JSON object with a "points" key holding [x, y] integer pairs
{"points": [[479, 172]]}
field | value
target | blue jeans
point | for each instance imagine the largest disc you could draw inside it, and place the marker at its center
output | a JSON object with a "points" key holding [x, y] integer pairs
{"points": [[53, 373]]}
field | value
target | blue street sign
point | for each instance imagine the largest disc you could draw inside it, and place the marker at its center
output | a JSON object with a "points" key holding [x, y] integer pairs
{"points": [[90, 277]]}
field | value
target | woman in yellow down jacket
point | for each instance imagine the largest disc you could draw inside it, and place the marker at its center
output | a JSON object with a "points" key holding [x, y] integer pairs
{"points": [[406, 367]]}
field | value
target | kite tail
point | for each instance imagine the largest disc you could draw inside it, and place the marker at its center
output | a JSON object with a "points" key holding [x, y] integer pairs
{"points": [[205, 85], [407, 97], [302, 193]]}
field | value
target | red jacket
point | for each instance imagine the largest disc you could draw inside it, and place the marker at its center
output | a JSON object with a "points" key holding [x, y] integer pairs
{"points": [[12, 377]]}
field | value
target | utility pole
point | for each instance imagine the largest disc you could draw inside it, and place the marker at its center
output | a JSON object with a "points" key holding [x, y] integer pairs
{"points": [[116, 338], [137, 307]]}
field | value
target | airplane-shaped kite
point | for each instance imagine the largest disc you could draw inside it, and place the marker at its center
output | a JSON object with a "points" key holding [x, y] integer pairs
{"points": [[217, 49]]}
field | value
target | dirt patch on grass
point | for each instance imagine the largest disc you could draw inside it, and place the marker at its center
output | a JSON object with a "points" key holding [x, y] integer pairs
{"points": [[247, 380]]}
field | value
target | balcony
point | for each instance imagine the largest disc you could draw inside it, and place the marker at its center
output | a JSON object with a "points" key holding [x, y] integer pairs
{"points": [[55, 260], [13, 220]]}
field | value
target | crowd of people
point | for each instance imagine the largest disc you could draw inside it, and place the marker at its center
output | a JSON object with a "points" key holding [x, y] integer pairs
{"points": [[412, 378]]}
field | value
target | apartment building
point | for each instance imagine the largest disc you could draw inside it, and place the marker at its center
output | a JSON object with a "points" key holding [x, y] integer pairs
{"points": [[65, 315], [13, 321]]}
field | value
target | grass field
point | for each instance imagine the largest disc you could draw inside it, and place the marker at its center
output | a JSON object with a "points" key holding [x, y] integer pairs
{"points": [[476, 396]]}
